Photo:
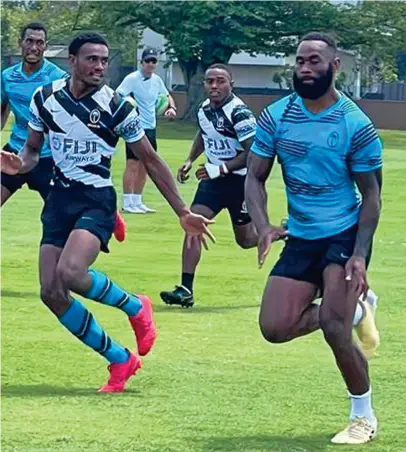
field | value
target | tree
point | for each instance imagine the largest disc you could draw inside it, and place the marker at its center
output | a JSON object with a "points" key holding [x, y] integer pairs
{"points": [[199, 34], [278, 79]]}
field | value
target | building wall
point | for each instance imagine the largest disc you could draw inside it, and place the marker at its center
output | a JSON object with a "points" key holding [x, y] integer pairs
{"points": [[384, 114], [244, 75]]}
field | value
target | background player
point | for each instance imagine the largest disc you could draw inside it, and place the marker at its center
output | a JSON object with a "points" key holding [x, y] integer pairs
{"points": [[145, 87], [324, 143], [227, 127], [84, 119]]}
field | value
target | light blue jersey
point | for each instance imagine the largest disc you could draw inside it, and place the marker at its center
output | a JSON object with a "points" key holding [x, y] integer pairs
{"points": [[318, 154], [17, 89]]}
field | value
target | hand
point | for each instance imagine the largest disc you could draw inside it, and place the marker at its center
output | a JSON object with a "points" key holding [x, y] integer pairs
{"points": [[196, 228], [183, 176], [265, 240], [10, 163], [170, 113], [209, 171], [355, 271]]}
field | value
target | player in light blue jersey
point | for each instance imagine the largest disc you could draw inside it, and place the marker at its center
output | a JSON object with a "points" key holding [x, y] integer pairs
{"points": [[18, 84], [327, 148]]}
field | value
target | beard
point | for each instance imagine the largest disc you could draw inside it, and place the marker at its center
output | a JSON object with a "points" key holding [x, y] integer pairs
{"points": [[320, 85]]}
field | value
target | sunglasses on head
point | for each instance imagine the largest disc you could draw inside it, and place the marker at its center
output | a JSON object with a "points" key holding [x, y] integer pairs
{"points": [[150, 60]]}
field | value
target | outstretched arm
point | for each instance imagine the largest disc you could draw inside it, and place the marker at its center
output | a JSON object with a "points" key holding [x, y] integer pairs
{"points": [[31, 151]]}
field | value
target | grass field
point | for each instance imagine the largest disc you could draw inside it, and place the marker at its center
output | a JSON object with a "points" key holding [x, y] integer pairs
{"points": [[211, 383]]}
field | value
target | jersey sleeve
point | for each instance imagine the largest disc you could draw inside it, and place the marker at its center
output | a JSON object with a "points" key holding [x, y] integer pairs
{"points": [[128, 123], [4, 97], [35, 121], [162, 88], [244, 122], [126, 87], [264, 143], [366, 148]]}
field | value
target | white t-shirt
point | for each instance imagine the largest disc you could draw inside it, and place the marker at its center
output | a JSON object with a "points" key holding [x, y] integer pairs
{"points": [[145, 92]]}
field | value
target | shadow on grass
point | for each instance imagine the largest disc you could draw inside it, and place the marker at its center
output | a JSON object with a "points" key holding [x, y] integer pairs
{"points": [[269, 443], [44, 390], [18, 294], [201, 309]]}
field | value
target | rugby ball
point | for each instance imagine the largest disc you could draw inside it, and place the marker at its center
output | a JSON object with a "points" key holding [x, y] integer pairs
{"points": [[161, 104]]}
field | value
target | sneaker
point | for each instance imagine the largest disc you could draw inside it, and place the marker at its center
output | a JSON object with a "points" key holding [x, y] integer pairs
{"points": [[366, 330], [120, 228], [359, 431], [144, 326], [133, 209], [181, 296], [121, 373], [145, 208]]}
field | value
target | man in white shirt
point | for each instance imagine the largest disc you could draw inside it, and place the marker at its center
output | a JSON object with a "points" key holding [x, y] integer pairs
{"points": [[146, 88]]}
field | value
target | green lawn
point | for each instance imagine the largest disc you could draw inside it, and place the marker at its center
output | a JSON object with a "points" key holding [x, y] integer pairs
{"points": [[211, 383]]}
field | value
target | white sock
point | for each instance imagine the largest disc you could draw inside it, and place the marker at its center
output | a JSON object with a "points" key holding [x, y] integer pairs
{"points": [[361, 406], [127, 200], [136, 200], [359, 314]]}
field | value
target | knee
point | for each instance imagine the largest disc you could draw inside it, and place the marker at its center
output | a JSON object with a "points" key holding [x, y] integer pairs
{"points": [[69, 274], [245, 242], [334, 330], [51, 298], [275, 332]]}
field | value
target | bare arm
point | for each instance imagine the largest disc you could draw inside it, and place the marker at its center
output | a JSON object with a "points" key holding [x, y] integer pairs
{"points": [[240, 161], [259, 169], [197, 148], [5, 112], [32, 148], [369, 185], [160, 174], [171, 102]]}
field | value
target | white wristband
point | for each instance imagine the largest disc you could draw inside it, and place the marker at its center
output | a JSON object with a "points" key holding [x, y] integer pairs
{"points": [[225, 169], [212, 170]]}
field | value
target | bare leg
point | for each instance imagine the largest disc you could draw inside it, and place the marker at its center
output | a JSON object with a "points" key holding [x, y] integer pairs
{"points": [[287, 310], [246, 236], [336, 315], [5, 195]]}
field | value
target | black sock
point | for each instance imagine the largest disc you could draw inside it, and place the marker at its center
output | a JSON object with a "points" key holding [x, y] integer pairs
{"points": [[187, 280]]}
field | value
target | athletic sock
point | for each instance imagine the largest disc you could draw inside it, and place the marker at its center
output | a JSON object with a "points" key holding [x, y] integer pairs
{"points": [[187, 280]]}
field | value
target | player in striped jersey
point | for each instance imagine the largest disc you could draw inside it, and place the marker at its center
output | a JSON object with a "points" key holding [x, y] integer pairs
{"points": [[326, 147], [84, 119], [18, 84], [227, 127]]}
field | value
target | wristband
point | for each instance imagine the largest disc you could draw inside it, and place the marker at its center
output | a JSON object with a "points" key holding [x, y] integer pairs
{"points": [[213, 171]]}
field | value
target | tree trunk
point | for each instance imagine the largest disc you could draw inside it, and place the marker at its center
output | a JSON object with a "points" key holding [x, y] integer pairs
{"points": [[193, 74]]}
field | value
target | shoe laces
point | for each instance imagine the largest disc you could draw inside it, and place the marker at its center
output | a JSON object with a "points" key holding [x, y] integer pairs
{"points": [[358, 427]]}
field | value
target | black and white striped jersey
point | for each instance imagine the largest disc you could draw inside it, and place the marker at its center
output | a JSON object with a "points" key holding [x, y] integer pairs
{"points": [[83, 133], [223, 129]]}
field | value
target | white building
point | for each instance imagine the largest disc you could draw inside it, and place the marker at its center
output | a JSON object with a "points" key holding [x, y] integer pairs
{"points": [[248, 72]]}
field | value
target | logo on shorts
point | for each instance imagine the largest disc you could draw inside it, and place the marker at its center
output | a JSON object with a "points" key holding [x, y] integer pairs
{"points": [[244, 208], [344, 256], [94, 117], [332, 140]]}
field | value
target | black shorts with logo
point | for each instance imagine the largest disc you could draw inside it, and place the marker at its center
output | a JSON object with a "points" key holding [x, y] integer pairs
{"points": [[151, 135], [305, 260], [39, 179], [224, 193], [78, 207]]}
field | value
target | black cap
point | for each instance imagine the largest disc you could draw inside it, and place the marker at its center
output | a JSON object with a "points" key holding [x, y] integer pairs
{"points": [[149, 52]]}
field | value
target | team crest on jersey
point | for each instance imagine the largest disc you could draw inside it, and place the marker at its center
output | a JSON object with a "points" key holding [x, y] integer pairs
{"points": [[333, 139], [94, 117], [220, 123]]}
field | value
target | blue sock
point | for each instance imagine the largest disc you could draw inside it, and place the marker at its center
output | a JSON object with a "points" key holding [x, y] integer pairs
{"points": [[361, 405], [105, 291], [81, 323]]}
